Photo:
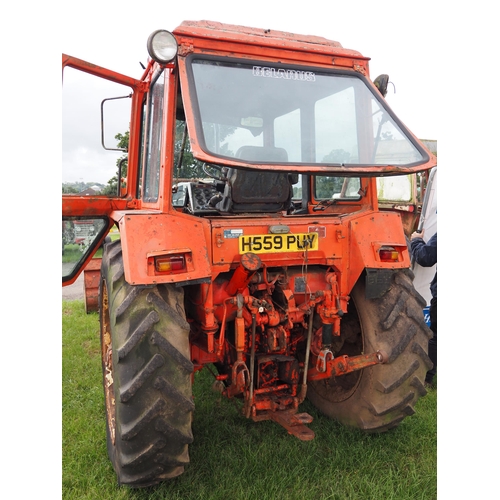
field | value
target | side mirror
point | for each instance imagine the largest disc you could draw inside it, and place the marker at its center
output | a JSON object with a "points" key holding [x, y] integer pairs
{"points": [[381, 83]]}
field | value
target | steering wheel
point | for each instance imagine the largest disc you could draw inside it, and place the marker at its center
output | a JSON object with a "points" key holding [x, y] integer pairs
{"points": [[219, 174]]}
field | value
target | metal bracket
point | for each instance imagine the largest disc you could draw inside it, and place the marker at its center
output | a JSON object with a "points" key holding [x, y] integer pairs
{"points": [[294, 423], [240, 379]]}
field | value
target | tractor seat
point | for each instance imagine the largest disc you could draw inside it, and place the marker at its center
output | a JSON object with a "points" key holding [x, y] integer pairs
{"points": [[250, 191], [262, 154]]}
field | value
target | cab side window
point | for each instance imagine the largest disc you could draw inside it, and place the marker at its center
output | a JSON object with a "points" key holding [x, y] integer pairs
{"points": [[153, 134]]}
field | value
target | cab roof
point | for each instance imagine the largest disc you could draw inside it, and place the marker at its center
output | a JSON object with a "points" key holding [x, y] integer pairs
{"points": [[264, 38]]}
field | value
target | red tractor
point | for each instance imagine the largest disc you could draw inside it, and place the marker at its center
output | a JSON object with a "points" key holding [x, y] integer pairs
{"points": [[275, 265]]}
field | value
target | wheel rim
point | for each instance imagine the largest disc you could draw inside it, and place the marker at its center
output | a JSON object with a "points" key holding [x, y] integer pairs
{"points": [[107, 362]]}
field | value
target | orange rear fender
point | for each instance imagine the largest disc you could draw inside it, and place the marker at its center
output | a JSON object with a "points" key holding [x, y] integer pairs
{"points": [[369, 235]]}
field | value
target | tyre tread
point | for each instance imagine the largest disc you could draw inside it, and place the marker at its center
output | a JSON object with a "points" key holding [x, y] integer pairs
{"points": [[133, 428], [169, 349], [152, 377], [138, 334], [139, 380], [385, 394]]}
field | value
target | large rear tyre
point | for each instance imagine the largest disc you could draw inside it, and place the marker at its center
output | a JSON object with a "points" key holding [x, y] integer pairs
{"points": [[146, 375], [378, 398]]}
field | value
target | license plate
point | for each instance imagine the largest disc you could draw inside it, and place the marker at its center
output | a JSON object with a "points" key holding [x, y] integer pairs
{"points": [[271, 243]]}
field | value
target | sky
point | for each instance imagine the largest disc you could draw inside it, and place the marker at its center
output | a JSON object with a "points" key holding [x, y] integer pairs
{"points": [[108, 35], [394, 42]]}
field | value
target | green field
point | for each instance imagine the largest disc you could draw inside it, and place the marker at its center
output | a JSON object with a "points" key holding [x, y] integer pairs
{"points": [[233, 458]]}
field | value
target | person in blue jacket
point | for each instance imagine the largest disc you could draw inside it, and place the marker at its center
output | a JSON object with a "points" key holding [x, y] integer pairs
{"points": [[425, 254]]}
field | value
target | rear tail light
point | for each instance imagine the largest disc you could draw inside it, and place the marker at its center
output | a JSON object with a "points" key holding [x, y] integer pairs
{"points": [[388, 254], [164, 263], [170, 263]]}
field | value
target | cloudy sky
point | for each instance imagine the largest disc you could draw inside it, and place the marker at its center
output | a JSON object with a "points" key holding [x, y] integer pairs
{"points": [[113, 35]]}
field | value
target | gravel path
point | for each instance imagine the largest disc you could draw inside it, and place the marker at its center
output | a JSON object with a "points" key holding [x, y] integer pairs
{"points": [[74, 291]]}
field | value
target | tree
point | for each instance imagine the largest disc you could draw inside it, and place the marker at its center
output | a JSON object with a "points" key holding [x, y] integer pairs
{"points": [[69, 190], [112, 187], [190, 167]]}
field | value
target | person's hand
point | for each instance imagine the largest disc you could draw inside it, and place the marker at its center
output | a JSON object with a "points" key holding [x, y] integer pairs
{"points": [[417, 234]]}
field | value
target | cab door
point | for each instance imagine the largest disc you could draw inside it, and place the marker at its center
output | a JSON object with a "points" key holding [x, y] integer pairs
{"points": [[102, 117]]}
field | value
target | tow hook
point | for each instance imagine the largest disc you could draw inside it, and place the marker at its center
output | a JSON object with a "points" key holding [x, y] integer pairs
{"points": [[322, 360]]}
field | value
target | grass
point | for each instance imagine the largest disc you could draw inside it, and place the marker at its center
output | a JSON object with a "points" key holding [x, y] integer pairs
{"points": [[233, 458], [72, 253]]}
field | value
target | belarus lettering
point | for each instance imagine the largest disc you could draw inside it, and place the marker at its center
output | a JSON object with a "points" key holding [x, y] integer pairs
{"points": [[285, 74]]}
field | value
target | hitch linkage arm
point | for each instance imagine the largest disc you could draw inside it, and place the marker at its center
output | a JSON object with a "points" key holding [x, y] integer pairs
{"points": [[327, 366]]}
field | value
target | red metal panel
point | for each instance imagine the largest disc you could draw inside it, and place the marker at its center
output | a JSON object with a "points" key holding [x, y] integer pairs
{"points": [[91, 279], [147, 234]]}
